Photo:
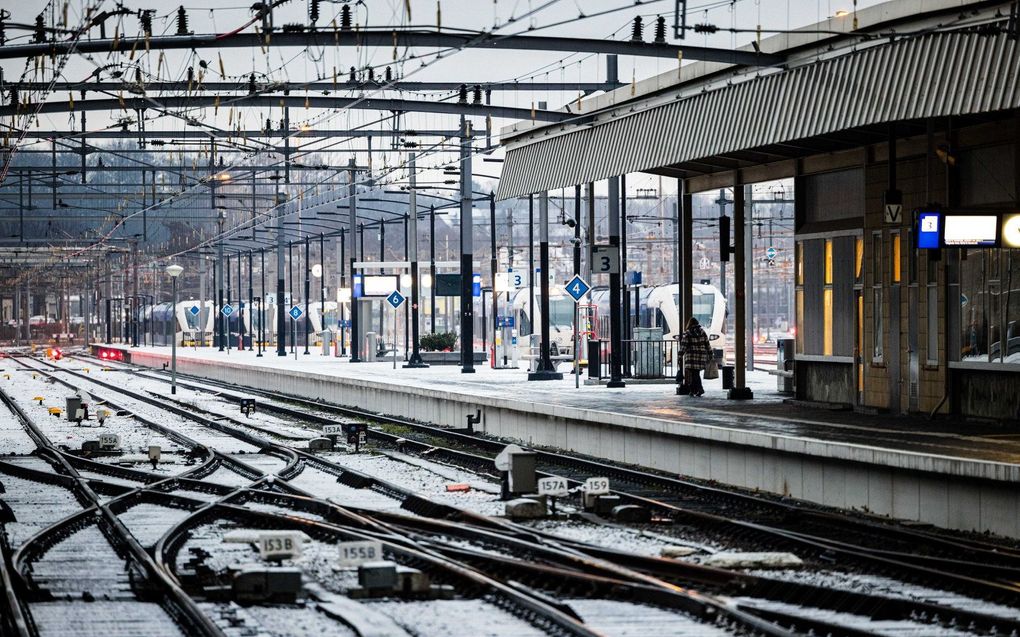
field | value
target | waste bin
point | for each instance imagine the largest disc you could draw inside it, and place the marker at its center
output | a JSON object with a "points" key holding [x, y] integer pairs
{"points": [[327, 341], [594, 359], [648, 356], [727, 376], [784, 365]]}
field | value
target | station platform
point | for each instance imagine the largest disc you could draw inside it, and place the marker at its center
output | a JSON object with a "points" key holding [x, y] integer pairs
{"points": [[961, 476]]}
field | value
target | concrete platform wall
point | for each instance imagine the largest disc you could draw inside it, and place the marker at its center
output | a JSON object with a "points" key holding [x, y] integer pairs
{"points": [[945, 492]]}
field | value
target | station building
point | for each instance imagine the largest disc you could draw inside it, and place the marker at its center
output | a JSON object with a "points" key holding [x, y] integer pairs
{"points": [[902, 111]]}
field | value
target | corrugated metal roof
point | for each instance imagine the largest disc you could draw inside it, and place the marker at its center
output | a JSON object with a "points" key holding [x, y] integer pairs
{"points": [[934, 75]]}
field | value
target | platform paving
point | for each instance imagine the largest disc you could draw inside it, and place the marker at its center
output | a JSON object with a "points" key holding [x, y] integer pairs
{"points": [[943, 472]]}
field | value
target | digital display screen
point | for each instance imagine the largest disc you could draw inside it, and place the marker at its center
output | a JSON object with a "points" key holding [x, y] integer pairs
{"points": [[1011, 230], [380, 284], [929, 230], [971, 231]]}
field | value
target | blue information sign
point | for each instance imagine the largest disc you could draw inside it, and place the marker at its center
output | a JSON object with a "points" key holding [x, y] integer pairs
{"points": [[929, 230], [577, 288], [396, 299], [194, 310], [227, 310], [295, 312], [343, 323]]}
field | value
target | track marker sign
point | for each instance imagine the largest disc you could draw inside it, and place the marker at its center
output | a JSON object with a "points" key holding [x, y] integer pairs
{"points": [[396, 299], [227, 310], [554, 486], [295, 312], [194, 310], [577, 288], [356, 553], [596, 486]]}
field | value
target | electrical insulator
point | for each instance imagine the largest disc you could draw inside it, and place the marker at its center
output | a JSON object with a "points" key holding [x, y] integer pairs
{"points": [[371, 74], [40, 29], [354, 75], [462, 98], [660, 30], [269, 125], [145, 18], [477, 94], [389, 75], [705, 28], [251, 84], [14, 98], [313, 11], [191, 74], [138, 76], [182, 21], [637, 32], [345, 18], [3, 32]]}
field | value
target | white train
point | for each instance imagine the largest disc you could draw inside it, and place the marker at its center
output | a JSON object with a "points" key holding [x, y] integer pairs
{"points": [[164, 320], [658, 308]]}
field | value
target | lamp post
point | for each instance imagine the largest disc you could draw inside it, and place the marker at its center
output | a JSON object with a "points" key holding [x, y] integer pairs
{"points": [[174, 271]]}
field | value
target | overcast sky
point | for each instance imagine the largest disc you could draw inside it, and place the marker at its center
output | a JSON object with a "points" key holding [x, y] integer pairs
{"points": [[541, 17]]}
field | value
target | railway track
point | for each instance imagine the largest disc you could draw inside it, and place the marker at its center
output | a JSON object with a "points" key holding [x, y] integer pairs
{"points": [[669, 570], [551, 618]]}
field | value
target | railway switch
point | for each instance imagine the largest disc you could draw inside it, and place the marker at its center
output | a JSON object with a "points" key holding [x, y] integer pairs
{"points": [[320, 444]]}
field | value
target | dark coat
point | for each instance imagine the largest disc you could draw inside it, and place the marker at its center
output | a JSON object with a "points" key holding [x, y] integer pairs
{"points": [[695, 348]]}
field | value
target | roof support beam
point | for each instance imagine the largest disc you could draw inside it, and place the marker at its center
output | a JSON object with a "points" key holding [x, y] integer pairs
{"points": [[398, 39], [286, 87], [294, 101]]}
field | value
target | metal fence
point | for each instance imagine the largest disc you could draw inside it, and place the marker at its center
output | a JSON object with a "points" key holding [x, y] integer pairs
{"points": [[641, 358]]}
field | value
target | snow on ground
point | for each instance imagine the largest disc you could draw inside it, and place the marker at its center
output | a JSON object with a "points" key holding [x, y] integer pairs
{"points": [[35, 506], [877, 585], [148, 522], [618, 538], [622, 619], [275, 620], [324, 485], [103, 619], [427, 483], [443, 618]]}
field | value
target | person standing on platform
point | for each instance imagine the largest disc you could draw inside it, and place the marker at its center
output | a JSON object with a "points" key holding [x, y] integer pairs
{"points": [[697, 353]]}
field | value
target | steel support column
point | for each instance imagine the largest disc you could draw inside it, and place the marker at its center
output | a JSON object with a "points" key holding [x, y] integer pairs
{"points": [[467, 253], [545, 370], [615, 308], [740, 391], [412, 246], [352, 200]]}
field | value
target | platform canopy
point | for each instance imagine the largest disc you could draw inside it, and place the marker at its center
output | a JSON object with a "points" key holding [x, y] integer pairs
{"points": [[720, 121]]}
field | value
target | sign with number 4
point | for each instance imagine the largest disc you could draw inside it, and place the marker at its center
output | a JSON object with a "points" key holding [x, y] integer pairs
{"points": [[596, 486]]}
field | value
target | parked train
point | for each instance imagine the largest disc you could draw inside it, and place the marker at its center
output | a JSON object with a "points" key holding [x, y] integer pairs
{"points": [[659, 307], [164, 321]]}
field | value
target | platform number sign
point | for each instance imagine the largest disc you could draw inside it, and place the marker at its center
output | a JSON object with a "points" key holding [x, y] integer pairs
{"points": [[596, 486], [770, 253], [605, 260], [295, 312], [395, 299], [227, 310], [577, 288], [516, 279], [194, 310], [355, 553]]}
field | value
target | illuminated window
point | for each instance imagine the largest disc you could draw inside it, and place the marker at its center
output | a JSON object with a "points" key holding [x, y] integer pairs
{"points": [[858, 258], [827, 318], [800, 321], [828, 262], [800, 264], [895, 258], [860, 340]]}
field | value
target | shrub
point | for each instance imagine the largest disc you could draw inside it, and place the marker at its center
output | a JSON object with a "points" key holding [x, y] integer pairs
{"points": [[441, 342]]}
